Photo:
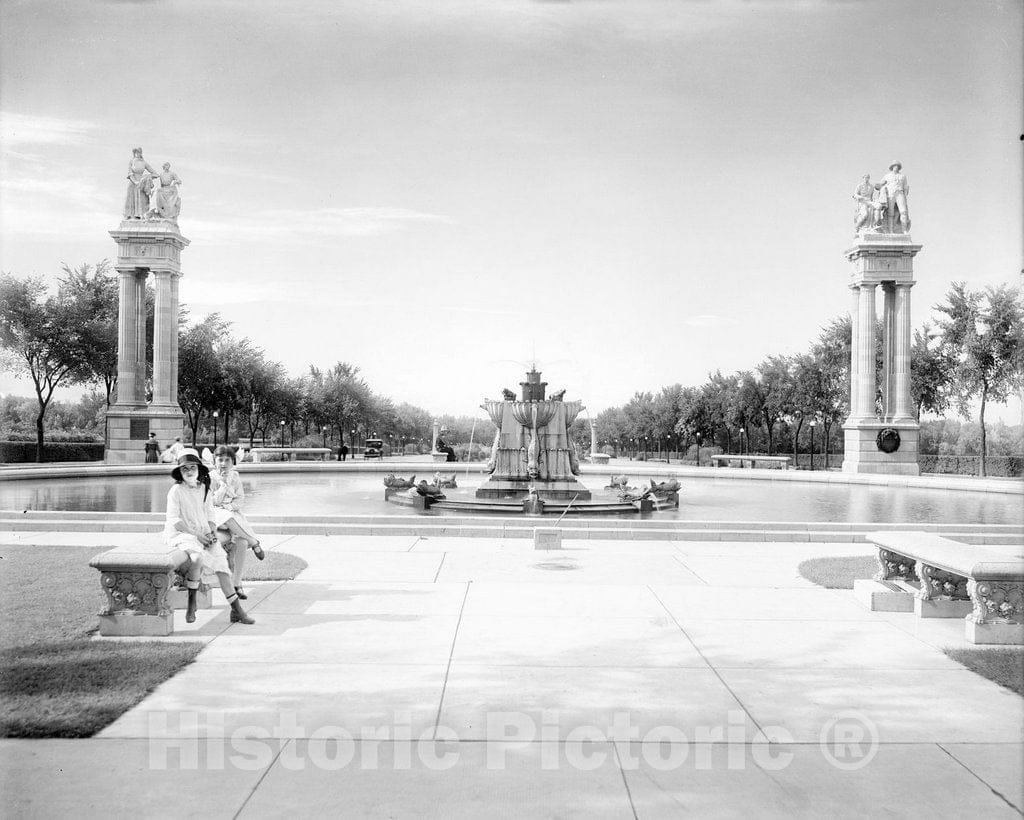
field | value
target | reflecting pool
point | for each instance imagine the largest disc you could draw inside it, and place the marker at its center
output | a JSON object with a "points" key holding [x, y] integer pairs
{"points": [[701, 498]]}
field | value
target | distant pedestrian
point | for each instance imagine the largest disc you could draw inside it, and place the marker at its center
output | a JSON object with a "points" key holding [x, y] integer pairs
{"points": [[152, 450], [342, 452]]}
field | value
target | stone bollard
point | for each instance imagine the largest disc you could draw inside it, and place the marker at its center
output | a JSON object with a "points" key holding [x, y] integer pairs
{"points": [[547, 538]]}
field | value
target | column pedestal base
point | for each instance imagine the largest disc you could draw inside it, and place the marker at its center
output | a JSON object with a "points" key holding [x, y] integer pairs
{"points": [[128, 428], [862, 453]]}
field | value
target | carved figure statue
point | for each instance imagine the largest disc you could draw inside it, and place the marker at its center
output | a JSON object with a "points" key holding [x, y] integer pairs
{"points": [[140, 185], [445, 482], [507, 394], [870, 205], [619, 482], [429, 490], [665, 487], [896, 189], [558, 395], [167, 202], [399, 483]]}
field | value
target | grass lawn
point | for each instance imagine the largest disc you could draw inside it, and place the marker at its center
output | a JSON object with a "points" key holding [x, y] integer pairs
{"points": [[55, 681], [840, 572], [1003, 664], [277, 566]]}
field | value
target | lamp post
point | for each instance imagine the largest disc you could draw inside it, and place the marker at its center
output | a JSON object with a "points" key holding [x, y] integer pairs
{"points": [[697, 436], [741, 441], [668, 448], [324, 431], [282, 432], [215, 414], [352, 439], [813, 425]]}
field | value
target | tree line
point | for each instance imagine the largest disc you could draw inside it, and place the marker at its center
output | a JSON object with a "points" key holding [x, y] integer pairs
{"points": [[970, 354]]}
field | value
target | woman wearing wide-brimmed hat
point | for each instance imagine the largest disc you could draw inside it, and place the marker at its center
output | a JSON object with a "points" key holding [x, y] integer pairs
{"points": [[228, 495], [191, 527]]}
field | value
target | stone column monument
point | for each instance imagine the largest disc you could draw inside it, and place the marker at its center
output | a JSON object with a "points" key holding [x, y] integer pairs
{"points": [[148, 242], [881, 436]]}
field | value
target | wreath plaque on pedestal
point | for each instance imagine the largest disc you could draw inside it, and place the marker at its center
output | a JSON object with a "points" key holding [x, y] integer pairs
{"points": [[888, 440]]}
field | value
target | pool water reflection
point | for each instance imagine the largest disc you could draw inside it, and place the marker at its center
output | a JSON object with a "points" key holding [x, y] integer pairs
{"points": [[701, 499]]}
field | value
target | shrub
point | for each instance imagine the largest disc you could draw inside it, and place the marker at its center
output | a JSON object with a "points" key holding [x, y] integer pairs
{"points": [[1000, 466], [24, 452]]}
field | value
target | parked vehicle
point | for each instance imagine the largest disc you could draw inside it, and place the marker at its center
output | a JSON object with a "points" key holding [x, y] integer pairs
{"points": [[374, 448]]}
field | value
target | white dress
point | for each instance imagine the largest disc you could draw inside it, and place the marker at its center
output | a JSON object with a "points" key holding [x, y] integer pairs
{"points": [[227, 495], [187, 505]]}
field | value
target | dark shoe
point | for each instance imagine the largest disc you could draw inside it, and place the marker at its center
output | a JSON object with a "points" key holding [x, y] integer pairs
{"points": [[242, 596], [238, 615], [257, 550], [190, 612]]}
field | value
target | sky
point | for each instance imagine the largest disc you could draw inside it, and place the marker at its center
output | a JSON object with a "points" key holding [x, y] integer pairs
{"points": [[630, 194]]}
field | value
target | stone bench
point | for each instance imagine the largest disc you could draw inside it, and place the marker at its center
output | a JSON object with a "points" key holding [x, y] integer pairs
{"points": [[139, 585], [317, 453], [956, 580], [782, 461]]}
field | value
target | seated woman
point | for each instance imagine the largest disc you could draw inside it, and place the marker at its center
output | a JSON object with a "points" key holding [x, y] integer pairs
{"points": [[190, 527], [228, 496]]}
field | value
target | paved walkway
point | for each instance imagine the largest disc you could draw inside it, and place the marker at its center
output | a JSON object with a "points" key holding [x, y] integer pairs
{"points": [[407, 676]]}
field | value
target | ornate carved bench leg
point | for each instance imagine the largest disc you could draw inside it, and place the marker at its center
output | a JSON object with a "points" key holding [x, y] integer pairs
{"points": [[136, 603], [942, 594], [891, 566], [998, 612]]}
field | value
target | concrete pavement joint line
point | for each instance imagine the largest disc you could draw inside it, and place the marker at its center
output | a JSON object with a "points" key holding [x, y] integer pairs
{"points": [[266, 771], [696, 648], [625, 782], [451, 655], [438, 573], [691, 570], [982, 780], [414, 543]]}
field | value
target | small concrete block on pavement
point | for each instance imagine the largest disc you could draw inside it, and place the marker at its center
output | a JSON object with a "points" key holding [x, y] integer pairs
{"points": [[885, 596], [547, 538], [994, 634], [938, 608]]}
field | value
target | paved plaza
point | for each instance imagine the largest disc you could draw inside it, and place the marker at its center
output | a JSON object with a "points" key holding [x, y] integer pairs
{"points": [[458, 677]]}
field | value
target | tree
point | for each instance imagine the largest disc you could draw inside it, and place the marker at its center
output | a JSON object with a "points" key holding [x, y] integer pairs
{"points": [[92, 292], [42, 334], [201, 377], [775, 382], [983, 332], [831, 397], [931, 373]]}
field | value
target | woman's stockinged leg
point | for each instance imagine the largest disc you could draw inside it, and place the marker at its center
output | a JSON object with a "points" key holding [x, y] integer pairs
{"points": [[240, 529]]}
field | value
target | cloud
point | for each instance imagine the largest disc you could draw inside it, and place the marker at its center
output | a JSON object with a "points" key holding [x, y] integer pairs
{"points": [[303, 226], [27, 129]]}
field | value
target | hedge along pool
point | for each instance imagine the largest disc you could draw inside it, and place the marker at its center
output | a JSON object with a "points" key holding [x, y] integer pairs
{"points": [[701, 498]]}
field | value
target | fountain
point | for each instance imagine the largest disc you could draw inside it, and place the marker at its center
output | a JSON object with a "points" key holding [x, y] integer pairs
{"points": [[533, 466], [532, 446]]}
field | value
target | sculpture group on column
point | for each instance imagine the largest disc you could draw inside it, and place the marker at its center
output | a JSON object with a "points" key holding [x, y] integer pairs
{"points": [[882, 206], [166, 204]]}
